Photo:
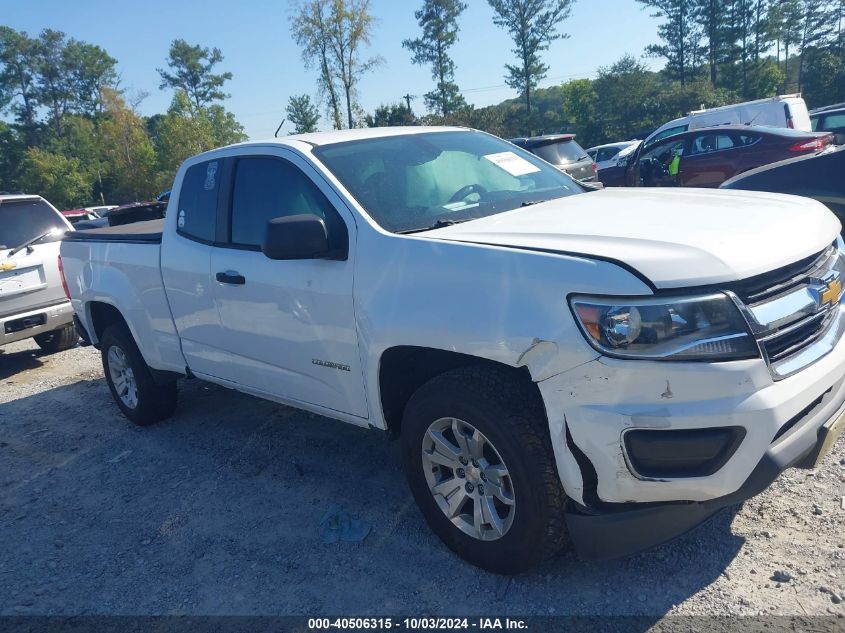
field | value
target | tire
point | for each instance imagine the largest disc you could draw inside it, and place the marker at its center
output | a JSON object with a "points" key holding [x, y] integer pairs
{"points": [[57, 340], [511, 421], [125, 368]]}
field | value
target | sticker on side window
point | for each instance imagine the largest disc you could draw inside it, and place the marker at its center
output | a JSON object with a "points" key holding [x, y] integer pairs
{"points": [[511, 163], [210, 173]]}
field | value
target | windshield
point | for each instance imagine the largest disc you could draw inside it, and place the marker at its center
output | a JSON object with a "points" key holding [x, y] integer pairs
{"points": [[21, 220], [418, 181]]}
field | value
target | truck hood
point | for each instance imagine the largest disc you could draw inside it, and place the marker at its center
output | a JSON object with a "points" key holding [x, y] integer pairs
{"points": [[673, 237]]}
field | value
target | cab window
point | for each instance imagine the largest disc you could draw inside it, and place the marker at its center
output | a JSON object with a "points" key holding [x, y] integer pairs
{"points": [[267, 187], [197, 209]]}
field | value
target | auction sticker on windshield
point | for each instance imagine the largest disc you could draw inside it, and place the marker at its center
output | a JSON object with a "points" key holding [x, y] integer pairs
{"points": [[511, 163]]}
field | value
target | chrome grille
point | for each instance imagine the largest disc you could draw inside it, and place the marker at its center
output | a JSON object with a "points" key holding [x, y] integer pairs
{"points": [[794, 312]]}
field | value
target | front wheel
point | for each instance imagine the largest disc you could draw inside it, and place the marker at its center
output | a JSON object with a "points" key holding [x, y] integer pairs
{"points": [[479, 461], [130, 380], [57, 340]]}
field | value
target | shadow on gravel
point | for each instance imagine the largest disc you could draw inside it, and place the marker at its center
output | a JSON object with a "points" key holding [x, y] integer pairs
{"points": [[217, 510], [13, 362]]}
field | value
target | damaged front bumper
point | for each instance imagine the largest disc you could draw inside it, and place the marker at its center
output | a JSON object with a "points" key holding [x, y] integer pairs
{"points": [[767, 426]]}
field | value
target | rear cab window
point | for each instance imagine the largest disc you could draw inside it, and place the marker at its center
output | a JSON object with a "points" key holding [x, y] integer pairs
{"points": [[23, 219], [560, 153], [197, 209]]}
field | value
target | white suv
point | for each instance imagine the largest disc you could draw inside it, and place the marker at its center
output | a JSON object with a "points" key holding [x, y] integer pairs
{"points": [[33, 300]]}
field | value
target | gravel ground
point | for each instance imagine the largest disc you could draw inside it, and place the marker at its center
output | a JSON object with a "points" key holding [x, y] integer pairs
{"points": [[217, 511]]}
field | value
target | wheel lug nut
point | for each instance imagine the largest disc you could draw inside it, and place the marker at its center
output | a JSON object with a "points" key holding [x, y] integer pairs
{"points": [[461, 473], [463, 460], [480, 489], [469, 487], [475, 463], [483, 477]]}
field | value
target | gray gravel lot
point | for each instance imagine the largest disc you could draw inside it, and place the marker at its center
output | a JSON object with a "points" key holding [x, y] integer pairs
{"points": [[216, 511]]}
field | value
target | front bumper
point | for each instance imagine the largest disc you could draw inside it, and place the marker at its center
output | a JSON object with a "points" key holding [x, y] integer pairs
{"points": [[614, 511], [24, 325]]}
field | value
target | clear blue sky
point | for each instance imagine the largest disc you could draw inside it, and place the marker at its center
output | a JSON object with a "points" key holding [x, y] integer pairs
{"points": [[256, 43]]}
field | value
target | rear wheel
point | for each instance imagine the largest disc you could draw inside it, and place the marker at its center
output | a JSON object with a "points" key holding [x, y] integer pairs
{"points": [[479, 462], [57, 340], [130, 380]]}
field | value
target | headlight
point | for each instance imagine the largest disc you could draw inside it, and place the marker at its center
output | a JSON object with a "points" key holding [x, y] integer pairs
{"points": [[683, 328]]}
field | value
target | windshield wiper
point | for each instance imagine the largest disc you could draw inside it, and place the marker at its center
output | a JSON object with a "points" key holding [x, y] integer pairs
{"points": [[528, 203], [29, 243], [437, 225]]}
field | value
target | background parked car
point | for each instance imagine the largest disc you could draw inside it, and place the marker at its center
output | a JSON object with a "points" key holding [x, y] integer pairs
{"points": [[78, 215], [708, 157], [563, 152], [788, 111], [33, 298], [605, 155], [818, 176], [613, 175], [830, 119]]}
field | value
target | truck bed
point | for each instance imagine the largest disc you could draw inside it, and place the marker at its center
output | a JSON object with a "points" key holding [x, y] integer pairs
{"points": [[148, 232]]}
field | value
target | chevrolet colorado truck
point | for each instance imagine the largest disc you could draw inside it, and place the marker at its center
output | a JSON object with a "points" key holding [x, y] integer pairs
{"points": [[32, 301], [605, 369]]}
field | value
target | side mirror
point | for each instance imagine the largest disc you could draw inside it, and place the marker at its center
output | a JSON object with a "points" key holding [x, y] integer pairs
{"points": [[296, 237]]}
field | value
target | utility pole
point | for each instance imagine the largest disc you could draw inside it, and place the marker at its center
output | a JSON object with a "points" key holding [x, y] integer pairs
{"points": [[407, 97]]}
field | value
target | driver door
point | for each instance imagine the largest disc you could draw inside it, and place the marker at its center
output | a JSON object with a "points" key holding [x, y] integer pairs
{"points": [[289, 326]]}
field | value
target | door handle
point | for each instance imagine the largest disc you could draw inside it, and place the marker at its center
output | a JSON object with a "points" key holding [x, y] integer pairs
{"points": [[232, 278]]}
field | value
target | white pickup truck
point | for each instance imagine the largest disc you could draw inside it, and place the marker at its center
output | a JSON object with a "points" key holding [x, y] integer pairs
{"points": [[615, 366]]}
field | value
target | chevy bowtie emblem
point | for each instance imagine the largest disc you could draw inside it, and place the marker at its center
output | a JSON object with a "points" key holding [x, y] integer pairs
{"points": [[4, 266], [831, 294], [827, 292]]}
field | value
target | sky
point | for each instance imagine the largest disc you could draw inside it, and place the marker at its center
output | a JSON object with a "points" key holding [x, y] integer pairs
{"points": [[254, 37]]}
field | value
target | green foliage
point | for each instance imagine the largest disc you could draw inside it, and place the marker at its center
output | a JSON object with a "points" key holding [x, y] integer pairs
{"points": [[187, 130], [388, 115], [192, 72], [303, 114], [332, 34], [76, 141], [128, 156], [532, 24], [63, 180], [438, 20]]}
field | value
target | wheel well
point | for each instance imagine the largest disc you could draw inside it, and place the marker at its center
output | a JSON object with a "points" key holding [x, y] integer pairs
{"points": [[405, 369], [102, 316]]}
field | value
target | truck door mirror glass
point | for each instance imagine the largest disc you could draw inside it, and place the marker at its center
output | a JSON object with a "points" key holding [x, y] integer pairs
{"points": [[296, 237]]}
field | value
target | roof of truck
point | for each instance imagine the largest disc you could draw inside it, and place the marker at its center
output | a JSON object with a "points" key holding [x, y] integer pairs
{"points": [[355, 134]]}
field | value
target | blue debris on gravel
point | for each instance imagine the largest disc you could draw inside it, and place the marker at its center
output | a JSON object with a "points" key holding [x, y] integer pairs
{"points": [[338, 525]]}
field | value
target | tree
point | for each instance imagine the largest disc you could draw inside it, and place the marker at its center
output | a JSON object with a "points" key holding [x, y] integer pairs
{"points": [[128, 154], [309, 28], [91, 71], [390, 115], [533, 26], [187, 130], [303, 114], [680, 34], [331, 34], [17, 78], [63, 180], [192, 72], [439, 22], [350, 28], [627, 97]]}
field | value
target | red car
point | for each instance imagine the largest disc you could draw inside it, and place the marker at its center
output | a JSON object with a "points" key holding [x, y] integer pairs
{"points": [[708, 157]]}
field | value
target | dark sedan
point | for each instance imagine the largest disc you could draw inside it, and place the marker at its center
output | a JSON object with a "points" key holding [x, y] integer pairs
{"points": [[819, 176], [710, 156], [563, 152]]}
